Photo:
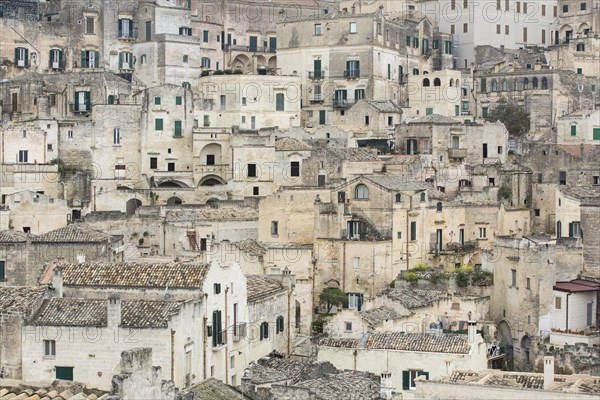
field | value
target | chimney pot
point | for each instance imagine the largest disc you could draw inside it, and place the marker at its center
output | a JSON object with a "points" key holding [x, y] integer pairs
{"points": [[548, 372]]}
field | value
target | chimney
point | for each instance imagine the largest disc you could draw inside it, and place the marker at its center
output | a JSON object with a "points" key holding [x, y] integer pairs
{"points": [[57, 282], [472, 331], [113, 312], [386, 385], [548, 372]]}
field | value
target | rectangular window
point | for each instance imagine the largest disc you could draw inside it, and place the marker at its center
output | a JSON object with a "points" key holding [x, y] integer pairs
{"points": [[49, 348], [178, 130], [506, 29], [596, 134], [408, 40], [274, 228], [554, 13], [157, 101], [322, 117], [575, 229], [557, 303], [279, 102], [23, 156], [186, 58], [89, 25], [518, 6], [223, 102], [543, 36], [565, 8], [429, 111], [409, 376], [64, 373], [482, 233], [498, 29], [255, 191], [582, 6], [579, 71], [295, 168], [413, 230], [217, 288], [562, 177], [185, 31], [452, 29], [217, 329], [484, 112], [153, 163], [264, 330], [352, 27], [178, 100], [205, 36], [251, 171], [573, 130], [158, 124], [465, 28], [2, 262], [317, 29], [525, 35], [205, 62], [543, 10], [513, 277], [117, 136]]}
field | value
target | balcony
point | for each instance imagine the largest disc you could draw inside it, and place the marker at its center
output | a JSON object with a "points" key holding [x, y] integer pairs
{"points": [[352, 73], [223, 171], [316, 74], [128, 35], [317, 98], [342, 103], [251, 49], [457, 153]]}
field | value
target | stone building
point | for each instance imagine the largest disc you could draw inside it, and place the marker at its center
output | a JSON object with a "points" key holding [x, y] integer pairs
{"points": [[406, 356], [576, 128], [385, 48], [36, 213]]}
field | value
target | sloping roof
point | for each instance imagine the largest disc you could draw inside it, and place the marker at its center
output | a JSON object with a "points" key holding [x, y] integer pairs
{"points": [[412, 298], [252, 247], [13, 237], [260, 286], [385, 106], [345, 385], [580, 192], [20, 298], [72, 391], [351, 154], [577, 150], [423, 342], [291, 144], [212, 389], [378, 315], [73, 234], [577, 285], [139, 314], [515, 380], [261, 374], [434, 119], [212, 214], [398, 183], [159, 275]]}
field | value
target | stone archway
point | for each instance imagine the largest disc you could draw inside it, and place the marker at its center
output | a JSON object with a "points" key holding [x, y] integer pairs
{"points": [[506, 343], [174, 201], [132, 205], [526, 354]]}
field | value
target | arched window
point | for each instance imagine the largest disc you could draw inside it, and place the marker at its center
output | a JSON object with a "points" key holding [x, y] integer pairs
{"points": [[525, 84], [494, 86], [426, 82], [516, 85], [451, 81], [415, 71], [437, 82], [361, 192], [535, 83], [544, 83], [422, 197], [505, 85], [438, 206]]}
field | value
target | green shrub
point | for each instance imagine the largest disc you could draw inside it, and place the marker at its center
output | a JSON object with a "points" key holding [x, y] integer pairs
{"points": [[421, 267], [238, 72], [463, 279], [218, 73], [204, 73], [410, 277], [438, 276], [228, 72]]}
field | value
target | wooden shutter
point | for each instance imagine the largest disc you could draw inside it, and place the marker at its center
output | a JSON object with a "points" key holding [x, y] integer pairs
{"points": [[26, 57], [88, 101], [16, 55], [120, 58], [405, 380], [177, 128], [76, 102], [97, 59], [51, 58], [120, 27], [83, 59], [570, 229]]}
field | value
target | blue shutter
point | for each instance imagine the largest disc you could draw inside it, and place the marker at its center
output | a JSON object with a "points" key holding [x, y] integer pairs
{"points": [[405, 380]]}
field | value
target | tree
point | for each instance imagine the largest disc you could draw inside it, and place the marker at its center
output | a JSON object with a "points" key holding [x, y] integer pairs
{"points": [[332, 297], [513, 116]]}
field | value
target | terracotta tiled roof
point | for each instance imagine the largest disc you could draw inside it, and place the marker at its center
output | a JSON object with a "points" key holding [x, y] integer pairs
{"points": [[424, 342], [173, 275], [378, 315], [435, 119], [412, 298], [386, 106], [261, 374], [20, 298], [252, 247], [67, 392], [73, 234], [291, 144], [212, 389], [86, 312], [261, 286], [13, 237], [345, 385], [212, 214], [350, 154]]}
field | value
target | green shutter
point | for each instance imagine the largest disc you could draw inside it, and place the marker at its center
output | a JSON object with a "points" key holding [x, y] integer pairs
{"points": [[83, 60], [60, 58], [51, 57], [571, 229], [178, 100], [120, 58], [484, 112], [76, 101], [596, 133], [97, 59], [405, 380], [408, 40], [426, 375], [157, 101], [177, 128], [64, 373], [88, 101], [16, 55], [457, 110], [573, 130], [158, 124], [428, 111], [111, 99]]}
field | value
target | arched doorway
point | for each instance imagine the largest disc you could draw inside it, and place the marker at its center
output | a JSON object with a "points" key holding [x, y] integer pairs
{"points": [[526, 353], [132, 205], [172, 184], [506, 343], [211, 180], [174, 201]]}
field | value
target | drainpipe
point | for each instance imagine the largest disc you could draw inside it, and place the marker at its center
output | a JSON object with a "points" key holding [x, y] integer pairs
{"points": [[407, 233], [173, 355], [344, 267], [289, 330], [567, 317], [204, 332], [226, 341]]}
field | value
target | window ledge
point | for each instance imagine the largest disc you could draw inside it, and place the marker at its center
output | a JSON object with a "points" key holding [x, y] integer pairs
{"points": [[218, 348], [49, 357]]}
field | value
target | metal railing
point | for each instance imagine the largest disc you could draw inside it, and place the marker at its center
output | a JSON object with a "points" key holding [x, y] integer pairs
{"points": [[352, 73], [316, 74]]}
